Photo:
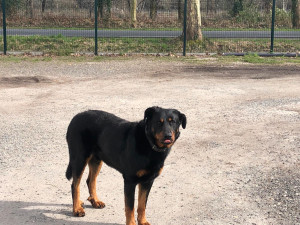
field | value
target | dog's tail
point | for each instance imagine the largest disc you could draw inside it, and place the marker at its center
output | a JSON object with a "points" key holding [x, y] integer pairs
{"points": [[69, 172]]}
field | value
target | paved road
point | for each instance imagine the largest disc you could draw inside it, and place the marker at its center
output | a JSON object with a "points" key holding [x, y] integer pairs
{"points": [[151, 34]]}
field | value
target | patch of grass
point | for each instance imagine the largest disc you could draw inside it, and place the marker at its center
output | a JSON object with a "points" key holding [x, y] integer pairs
{"points": [[140, 45], [242, 45], [256, 59], [62, 46], [22, 58], [54, 45], [216, 59]]}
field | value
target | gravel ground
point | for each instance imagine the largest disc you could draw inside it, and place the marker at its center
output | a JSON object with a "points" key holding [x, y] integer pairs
{"points": [[237, 162]]}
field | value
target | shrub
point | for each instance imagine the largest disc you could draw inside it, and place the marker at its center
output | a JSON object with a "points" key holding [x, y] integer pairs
{"points": [[282, 18], [11, 6], [237, 8], [251, 17]]}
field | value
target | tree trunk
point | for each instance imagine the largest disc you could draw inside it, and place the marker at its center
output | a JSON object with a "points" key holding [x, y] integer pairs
{"points": [[180, 10], [296, 13], [133, 12], [267, 5], [104, 9], [193, 20], [153, 9], [29, 8], [211, 6], [43, 6], [108, 9], [284, 5], [100, 9]]}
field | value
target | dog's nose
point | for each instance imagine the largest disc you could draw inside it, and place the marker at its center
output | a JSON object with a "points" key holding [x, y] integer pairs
{"points": [[168, 137]]}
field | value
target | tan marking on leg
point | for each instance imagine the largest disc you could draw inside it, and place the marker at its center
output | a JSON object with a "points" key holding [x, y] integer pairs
{"points": [[77, 203], [142, 207], [81, 203], [94, 170], [129, 213]]}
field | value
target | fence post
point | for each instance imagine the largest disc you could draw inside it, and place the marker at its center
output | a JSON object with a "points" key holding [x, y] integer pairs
{"points": [[184, 27], [4, 27], [273, 26], [96, 27]]}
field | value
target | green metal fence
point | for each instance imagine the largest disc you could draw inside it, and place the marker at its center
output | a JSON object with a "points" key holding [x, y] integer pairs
{"points": [[63, 27]]}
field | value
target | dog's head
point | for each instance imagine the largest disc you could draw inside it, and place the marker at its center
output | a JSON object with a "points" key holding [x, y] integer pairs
{"points": [[162, 125]]}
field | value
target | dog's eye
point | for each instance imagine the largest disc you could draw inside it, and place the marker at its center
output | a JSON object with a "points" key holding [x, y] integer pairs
{"points": [[160, 123], [171, 121]]}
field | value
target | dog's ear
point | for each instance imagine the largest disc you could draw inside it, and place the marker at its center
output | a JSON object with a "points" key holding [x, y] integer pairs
{"points": [[149, 113], [182, 119]]}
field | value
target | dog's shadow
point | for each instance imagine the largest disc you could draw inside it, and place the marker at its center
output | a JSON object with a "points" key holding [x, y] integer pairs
{"points": [[18, 212]]}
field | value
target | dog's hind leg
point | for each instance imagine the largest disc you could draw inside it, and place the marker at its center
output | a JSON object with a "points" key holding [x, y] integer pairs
{"points": [[77, 203], [94, 169]]}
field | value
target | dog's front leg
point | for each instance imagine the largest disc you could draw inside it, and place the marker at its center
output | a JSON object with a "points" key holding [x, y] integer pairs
{"points": [[129, 191], [144, 190]]}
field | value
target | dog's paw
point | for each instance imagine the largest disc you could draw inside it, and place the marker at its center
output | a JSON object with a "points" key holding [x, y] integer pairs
{"points": [[131, 223], [96, 203], [145, 223], [79, 212]]}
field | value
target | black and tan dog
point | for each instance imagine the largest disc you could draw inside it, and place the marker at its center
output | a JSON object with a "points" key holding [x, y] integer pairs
{"points": [[136, 149]]}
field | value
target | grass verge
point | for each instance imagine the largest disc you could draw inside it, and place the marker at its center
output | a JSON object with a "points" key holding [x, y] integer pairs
{"points": [[62, 46], [252, 59], [255, 59]]}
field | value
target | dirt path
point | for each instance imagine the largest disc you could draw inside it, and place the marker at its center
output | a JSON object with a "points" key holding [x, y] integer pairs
{"points": [[238, 161]]}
